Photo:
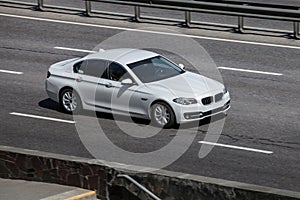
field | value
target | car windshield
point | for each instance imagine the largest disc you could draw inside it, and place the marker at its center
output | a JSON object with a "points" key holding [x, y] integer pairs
{"points": [[155, 69]]}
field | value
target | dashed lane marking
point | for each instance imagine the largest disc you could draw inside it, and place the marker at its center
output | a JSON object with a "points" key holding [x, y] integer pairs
{"points": [[236, 147], [10, 72], [42, 117], [72, 49], [250, 71]]}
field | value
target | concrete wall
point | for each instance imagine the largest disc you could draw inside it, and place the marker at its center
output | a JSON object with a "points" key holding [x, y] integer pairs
{"points": [[51, 168], [102, 176]]}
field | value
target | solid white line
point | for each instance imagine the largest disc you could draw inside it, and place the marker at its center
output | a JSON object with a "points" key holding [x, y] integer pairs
{"points": [[10, 72], [251, 71], [148, 31], [235, 147], [71, 49], [41, 117]]}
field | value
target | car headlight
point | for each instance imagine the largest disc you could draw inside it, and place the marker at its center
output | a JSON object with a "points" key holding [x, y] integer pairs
{"points": [[225, 90], [185, 101]]}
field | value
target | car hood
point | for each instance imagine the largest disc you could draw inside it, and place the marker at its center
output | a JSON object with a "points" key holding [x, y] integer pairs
{"points": [[187, 84]]}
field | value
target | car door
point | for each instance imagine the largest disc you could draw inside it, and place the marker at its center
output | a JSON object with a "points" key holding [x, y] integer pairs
{"points": [[89, 75], [121, 98]]}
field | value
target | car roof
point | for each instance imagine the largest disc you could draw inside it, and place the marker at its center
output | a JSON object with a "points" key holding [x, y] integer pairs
{"points": [[123, 55]]}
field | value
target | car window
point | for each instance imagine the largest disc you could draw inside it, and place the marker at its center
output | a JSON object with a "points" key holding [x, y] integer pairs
{"points": [[96, 68], [154, 69], [117, 72], [79, 66], [161, 62]]}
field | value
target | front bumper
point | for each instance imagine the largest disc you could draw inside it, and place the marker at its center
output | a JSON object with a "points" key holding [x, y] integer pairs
{"points": [[196, 112], [202, 115]]}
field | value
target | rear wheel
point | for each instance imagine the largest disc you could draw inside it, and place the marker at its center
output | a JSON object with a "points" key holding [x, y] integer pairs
{"points": [[70, 101], [162, 115]]}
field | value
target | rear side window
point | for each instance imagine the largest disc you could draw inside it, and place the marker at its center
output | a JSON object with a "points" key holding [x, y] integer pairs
{"points": [[117, 72], [95, 68], [79, 66]]}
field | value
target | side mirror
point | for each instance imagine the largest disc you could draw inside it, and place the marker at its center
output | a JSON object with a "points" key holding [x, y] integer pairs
{"points": [[181, 66], [127, 81]]}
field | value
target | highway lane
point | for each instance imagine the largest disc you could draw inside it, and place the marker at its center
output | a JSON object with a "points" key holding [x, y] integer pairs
{"points": [[264, 111]]}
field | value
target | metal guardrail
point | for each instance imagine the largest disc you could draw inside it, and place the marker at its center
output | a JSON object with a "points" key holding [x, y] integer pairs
{"points": [[139, 186], [232, 8]]}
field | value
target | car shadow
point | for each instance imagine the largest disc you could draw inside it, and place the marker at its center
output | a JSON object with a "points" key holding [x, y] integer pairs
{"points": [[52, 105]]}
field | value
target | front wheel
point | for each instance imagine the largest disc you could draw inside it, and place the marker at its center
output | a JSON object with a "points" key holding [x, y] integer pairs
{"points": [[70, 101], [162, 115]]}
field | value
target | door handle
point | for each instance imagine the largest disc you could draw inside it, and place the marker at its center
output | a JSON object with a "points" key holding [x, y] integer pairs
{"points": [[79, 79], [108, 85]]}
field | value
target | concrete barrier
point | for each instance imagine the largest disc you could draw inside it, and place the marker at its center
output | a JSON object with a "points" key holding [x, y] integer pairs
{"points": [[92, 174]]}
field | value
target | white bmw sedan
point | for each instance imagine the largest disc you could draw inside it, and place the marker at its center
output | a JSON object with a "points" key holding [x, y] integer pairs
{"points": [[138, 83]]}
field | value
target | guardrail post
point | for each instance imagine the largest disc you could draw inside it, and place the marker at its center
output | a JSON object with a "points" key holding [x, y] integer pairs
{"points": [[40, 5], [296, 30], [240, 24], [88, 8], [187, 18], [137, 13]]}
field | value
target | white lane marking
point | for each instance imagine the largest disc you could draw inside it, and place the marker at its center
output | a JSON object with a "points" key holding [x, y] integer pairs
{"points": [[10, 72], [251, 71], [236, 147], [148, 31], [41, 117], [71, 49]]}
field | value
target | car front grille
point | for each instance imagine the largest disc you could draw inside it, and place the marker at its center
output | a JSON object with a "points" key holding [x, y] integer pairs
{"points": [[218, 97], [207, 100]]}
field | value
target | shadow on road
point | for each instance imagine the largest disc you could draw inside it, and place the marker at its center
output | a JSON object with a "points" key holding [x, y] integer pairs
{"points": [[52, 105]]}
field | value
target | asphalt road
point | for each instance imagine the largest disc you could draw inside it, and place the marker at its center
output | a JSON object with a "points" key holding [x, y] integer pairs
{"points": [[265, 108]]}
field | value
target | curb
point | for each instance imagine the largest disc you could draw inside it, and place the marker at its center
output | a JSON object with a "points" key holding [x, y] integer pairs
{"points": [[77, 194], [87, 195]]}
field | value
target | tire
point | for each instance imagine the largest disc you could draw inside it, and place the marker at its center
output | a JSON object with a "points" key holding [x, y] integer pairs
{"points": [[70, 101], [162, 115]]}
